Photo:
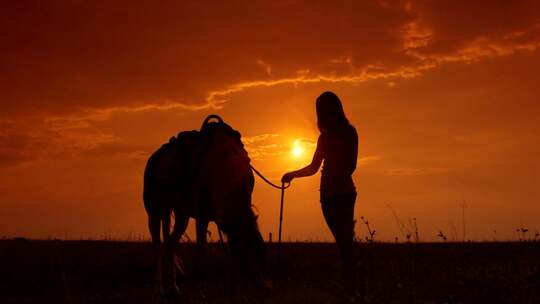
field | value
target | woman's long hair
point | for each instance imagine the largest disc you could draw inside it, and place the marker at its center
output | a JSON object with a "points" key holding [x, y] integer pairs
{"points": [[330, 114]]}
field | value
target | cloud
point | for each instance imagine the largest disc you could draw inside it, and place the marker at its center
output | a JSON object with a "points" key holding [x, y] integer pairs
{"points": [[263, 145], [366, 160], [415, 171], [60, 58], [66, 66], [28, 140], [258, 138], [28, 145], [423, 48], [64, 57], [448, 31], [86, 118]]}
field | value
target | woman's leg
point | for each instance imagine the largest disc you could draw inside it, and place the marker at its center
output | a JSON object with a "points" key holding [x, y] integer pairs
{"points": [[339, 215]]}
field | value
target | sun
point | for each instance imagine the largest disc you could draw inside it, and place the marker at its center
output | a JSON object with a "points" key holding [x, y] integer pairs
{"points": [[297, 150]]}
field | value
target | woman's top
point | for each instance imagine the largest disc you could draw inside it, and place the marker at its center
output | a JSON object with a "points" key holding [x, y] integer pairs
{"points": [[339, 149]]}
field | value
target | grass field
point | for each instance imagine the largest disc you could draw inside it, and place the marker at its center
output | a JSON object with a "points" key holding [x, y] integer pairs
{"points": [[121, 272]]}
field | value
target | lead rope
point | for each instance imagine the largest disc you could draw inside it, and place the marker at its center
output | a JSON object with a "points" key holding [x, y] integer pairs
{"points": [[281, 219], [282, 187]]}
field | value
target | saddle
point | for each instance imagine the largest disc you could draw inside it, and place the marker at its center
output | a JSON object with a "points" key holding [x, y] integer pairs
{"points": [[210, 134], [223, 160]]}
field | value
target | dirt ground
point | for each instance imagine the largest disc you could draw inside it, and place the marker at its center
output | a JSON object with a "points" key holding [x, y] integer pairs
{"points": [[121, 272]]}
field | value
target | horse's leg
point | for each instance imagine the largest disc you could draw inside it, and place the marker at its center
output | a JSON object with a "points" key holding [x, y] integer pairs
{"points": [[166, 224], [201, 229], [171, 245], [232, 261], [154, 223]]}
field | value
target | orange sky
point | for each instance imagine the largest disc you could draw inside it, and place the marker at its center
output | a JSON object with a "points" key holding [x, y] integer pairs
{"points": [[444, 95]]}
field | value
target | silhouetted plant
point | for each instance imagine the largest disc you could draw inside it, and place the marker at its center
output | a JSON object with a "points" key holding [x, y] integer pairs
{"points": [[371, 237], [522, 232], [406, 232], [442, 236], [415, 226]]}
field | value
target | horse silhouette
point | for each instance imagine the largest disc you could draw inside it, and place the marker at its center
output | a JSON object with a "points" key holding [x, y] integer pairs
{"points": [[204, 175]]}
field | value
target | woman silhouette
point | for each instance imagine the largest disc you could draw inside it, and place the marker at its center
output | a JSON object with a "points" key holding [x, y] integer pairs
{"points": [[337, 146]]}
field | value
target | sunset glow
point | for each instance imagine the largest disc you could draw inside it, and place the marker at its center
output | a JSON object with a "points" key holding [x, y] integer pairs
{"points": [[297, 150], [443, 95]]}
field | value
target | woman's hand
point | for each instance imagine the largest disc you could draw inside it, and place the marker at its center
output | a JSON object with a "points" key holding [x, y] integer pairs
{"points": [[287, 177]]}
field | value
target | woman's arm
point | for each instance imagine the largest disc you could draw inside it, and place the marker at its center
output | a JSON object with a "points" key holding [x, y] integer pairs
{"points": [[309, 169]]}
